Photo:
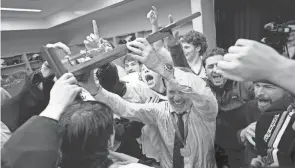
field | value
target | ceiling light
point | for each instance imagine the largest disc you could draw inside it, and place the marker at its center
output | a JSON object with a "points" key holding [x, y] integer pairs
{"points": [[21, 10]]}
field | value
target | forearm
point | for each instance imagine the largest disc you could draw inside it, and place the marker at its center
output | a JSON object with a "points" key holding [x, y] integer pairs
{"points": [[132, 111], [158, 44], [284, 75]]}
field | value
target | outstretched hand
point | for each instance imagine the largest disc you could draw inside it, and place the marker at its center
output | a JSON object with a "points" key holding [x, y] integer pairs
{"points": [[249, 60], [145, 53]]}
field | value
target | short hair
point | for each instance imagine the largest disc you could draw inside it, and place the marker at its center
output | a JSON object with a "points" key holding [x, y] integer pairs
{"points": [[213, 52], [108, 76], [87, 128], [197, 39]]}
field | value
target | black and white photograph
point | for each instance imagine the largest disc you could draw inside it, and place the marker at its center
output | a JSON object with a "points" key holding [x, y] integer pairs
{"points": [[147, 83]]}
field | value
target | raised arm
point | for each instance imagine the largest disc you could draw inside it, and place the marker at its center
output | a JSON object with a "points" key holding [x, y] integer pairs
{"points": [[187, 82], [146, 113], [197, 90]]}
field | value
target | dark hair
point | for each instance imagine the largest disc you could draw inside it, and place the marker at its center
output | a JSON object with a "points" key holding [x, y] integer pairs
{"points": [[87, 129], [197, 39], [108, 76], [213, 52]]}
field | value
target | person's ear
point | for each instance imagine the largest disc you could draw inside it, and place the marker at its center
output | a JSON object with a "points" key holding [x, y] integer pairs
{"points": [[198, 49]]}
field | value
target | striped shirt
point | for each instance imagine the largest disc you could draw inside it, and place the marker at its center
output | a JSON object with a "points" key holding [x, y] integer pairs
{"points": [[201, 120]]}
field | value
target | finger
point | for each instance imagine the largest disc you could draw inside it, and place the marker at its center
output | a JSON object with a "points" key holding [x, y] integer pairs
{"points": [[149, 14], [139, 45], [133, 49], [230, 57], [94, 37], [86, 42], [154, 8], [72, 81], [156, 99], [170, 19], [66, 76], [95, 28], [250, 132], [234, 49], [89, 39], [136, 57], [244, 42], [64, 47], [142, 40], [225, 65], [250, 140], [148, 100]]}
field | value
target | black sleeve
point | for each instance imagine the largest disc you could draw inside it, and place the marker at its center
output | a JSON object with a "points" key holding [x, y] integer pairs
{"points": [[35, 144], [178, 56]]}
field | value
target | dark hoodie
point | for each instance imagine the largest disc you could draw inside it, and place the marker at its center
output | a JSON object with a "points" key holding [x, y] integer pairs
{"points": [[275, 136]]}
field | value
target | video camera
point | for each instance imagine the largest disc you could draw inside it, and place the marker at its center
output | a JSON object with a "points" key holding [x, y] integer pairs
{"points": [[276, 35]]}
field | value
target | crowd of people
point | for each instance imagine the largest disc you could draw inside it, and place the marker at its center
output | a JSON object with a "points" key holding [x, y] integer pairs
{"points": [[174, 104]]}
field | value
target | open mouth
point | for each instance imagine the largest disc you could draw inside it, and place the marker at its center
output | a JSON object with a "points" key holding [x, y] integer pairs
{"points": [[217, 78], [179, 103], [263, 102], [149, 79], [131, 71]]}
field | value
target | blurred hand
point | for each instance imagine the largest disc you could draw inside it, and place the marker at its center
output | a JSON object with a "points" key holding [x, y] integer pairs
{"points": [[249, 133], [121, 158], [145, 53], [62, 94], [250, 61], [153, 16]]}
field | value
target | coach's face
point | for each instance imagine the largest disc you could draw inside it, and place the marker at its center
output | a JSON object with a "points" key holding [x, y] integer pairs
{"points": [[177, 99]]}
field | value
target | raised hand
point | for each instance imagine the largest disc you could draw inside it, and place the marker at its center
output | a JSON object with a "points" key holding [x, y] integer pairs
{"points": [[249, 60], [145, 53], [152, 16], [62, 94], [93, 40]]}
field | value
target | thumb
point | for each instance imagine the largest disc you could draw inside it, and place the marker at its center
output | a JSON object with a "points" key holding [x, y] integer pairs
{"points": [[123, 163], [176, 35], [170, 19]]}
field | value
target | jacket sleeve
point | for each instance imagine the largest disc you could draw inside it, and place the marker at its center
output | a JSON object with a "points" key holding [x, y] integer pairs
{"points": [[35, 144], [178, 56]]}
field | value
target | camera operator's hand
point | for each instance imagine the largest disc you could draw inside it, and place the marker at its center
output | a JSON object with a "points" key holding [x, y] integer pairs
{"points": [[250, 61], [62, 94], [248, 133]]}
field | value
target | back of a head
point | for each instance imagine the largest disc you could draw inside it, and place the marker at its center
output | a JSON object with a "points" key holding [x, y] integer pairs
{"points": [[87, 128]]}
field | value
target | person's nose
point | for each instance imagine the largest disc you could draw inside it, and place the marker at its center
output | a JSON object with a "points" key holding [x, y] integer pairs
{"points": [[259, 91]]}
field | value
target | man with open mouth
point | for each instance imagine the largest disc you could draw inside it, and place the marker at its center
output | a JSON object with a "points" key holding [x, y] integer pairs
{"points": [[274, 133], [232, 96], [153, 80]]}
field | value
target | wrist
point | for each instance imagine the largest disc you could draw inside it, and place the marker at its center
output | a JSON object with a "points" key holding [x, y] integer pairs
{"points": [[53, 111]]}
